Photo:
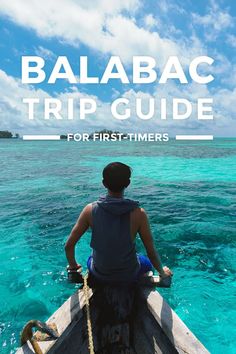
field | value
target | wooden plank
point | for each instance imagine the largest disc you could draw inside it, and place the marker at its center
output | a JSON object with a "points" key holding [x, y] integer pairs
{"points": [[174, 328], [75, 337], [70, 311], [149, 338]]}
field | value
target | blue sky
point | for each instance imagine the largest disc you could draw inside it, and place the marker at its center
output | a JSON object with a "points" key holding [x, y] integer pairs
{"points": [[99, 29]]}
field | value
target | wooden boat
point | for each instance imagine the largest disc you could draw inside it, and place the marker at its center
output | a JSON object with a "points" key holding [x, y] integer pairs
{"points": [[153, 327]]}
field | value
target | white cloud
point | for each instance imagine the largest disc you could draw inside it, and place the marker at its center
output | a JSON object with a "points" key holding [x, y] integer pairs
{"points": [[214, 22], [231, 40], [12, 111], [47, 54], [70, 20], [105, 26], [150, 21], [167, 6], [138, 42], [229, 77]]}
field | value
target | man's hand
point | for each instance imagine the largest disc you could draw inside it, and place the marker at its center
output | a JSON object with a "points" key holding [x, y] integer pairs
{"points": [[74, 267], [75, 274], [166, 272]]}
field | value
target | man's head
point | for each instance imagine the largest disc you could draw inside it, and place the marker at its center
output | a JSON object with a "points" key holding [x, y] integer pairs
{"points": [[116, 176]]}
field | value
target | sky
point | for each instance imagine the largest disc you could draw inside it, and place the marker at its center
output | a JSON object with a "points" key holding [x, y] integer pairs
{"points": [[99, 29]]}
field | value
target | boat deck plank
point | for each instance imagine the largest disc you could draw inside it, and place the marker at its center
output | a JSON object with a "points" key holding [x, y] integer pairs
{"points": [[178, 333]]}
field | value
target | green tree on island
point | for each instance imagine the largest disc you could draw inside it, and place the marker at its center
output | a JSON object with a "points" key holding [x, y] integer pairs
{"points": [[5, 134]]}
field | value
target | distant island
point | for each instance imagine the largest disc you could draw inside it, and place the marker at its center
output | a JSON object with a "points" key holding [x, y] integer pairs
{"points": [[63, 136], [5, 134]]}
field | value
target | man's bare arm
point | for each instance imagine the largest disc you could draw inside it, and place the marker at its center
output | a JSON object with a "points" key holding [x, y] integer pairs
{"points": [[147, 239], [77, 232]]}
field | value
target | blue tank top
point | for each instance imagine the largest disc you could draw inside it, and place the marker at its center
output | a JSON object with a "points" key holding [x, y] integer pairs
{"points": [[114, 254]]}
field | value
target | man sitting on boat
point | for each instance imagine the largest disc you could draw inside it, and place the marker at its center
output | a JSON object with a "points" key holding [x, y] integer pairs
{"points": [[115, 221]]}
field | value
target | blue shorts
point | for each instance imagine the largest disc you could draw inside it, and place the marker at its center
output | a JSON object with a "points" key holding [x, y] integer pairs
{"points": [[145, 264], [144, 261]]}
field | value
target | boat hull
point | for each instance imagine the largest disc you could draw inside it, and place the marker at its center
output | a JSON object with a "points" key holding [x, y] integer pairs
{"points": [[152, 327]]}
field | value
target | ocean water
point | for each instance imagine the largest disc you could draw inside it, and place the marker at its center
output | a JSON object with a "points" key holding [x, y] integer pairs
{"points": [[188, 190]]}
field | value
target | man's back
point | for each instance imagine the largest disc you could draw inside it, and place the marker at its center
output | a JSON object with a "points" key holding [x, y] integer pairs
{"points": [[116, 178], [114, 254], [138, 218]]}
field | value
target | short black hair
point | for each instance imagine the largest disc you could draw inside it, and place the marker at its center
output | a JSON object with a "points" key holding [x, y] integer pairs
{"points": [[116, 176]]}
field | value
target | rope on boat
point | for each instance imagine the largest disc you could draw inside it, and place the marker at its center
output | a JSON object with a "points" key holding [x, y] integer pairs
{"points": [[27, 333], [89, 322]]}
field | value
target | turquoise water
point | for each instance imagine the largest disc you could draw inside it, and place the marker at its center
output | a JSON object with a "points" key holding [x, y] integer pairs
{"points": [[189, 192]]}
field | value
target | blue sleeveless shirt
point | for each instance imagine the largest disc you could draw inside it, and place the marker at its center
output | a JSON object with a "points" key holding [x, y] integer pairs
{"points": [[114, 254]]}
